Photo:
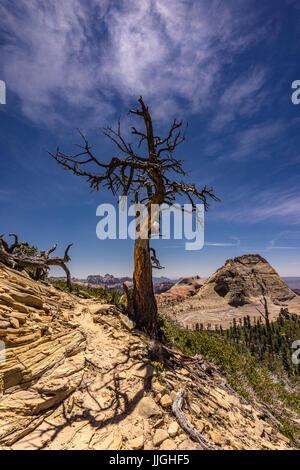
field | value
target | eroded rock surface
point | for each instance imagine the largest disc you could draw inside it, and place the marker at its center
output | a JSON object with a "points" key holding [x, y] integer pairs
{"points": [[76, 377], [235, 291]]}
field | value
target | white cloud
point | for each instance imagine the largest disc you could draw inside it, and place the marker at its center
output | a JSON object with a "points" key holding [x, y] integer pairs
{"points": [[275, 204], [242, 97], [255, 141], [237, 243], [71, 59]]}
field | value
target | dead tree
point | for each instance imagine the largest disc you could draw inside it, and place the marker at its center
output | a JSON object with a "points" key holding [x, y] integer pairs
{"points": [[149, 178], [16, 257]]}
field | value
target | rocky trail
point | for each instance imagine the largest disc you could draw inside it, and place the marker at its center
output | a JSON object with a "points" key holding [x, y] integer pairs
{"points": [[77, 376]]}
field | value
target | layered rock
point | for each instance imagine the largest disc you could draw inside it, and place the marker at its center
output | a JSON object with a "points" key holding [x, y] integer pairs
{"points": [[186, 287], [42, 357], [246, 277], [235, 291], [78, 376]]}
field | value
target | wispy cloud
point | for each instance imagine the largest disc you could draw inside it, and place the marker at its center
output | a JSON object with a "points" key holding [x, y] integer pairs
{"points": [[60, 57], [255, 141], [243, 97], [274, 204], [285, 237], [237, 243]]}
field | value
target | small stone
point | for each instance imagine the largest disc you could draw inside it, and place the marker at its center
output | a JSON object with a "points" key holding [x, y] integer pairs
{"points": [[166, 401], [157, 387], [158, 423], [159, 437], [217, 438], [235, 445], [173, 429], [188, 445], [147, 408], [14, 322], [168, 444], [157, 398], [195, 408], [127, 322], [269, 446], [122, 375], [199, 425], [137, 443], [20, 307]]}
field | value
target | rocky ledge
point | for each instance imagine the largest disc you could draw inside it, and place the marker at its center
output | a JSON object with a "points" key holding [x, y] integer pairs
{"points": [[78, 376]]}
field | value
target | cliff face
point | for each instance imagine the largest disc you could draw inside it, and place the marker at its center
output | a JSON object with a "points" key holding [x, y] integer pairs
{"points": [[76, 376]]}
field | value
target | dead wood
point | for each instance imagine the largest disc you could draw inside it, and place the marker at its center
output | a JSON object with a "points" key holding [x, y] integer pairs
{"points": [[185, 423], [16, 257]]}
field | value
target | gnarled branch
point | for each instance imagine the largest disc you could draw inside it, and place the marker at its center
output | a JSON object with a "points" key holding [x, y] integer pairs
{"points": [[41, 261], [185, 423]]}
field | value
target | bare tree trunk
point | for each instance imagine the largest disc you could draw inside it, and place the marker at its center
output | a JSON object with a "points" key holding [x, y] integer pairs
{"points": [[144, 301]]}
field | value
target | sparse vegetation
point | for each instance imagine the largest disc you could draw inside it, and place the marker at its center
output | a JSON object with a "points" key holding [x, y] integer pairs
{"points": [[248, 370], [114, 297]]}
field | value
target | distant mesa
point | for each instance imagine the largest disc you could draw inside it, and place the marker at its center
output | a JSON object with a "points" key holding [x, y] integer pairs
{"points": [[185, 287], [110, 282]]}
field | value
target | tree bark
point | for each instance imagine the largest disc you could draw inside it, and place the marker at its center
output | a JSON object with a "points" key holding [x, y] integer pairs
{"points": [[144, 301]]}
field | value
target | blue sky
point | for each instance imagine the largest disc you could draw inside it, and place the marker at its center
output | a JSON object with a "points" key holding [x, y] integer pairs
{"points": [[225, 66]]}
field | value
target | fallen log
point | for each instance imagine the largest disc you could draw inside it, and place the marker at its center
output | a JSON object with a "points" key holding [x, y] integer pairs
{"points": [[185, 423]]}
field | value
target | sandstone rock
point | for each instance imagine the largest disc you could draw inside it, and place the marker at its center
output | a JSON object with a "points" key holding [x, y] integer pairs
{"points": [[188, 445], [20, 307], [199, 425], [160, 436], [148, 408], [236, 445], [27, 299], [21, 317], [234, 291], [168, 444], [158, 423], [217, 438], [7, 299], [110, 442], [14, 322], [173, 429], [166, 401], [137, 443], [127, 322], [195, 408]]}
